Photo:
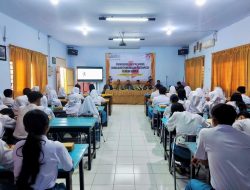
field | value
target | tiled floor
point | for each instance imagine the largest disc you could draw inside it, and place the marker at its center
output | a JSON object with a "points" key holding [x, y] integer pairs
{"points": [[131, 158]]}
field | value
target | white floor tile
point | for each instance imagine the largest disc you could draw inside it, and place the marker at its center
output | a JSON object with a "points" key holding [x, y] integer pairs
{"points": [[144, 179], [104, 179], [124, 179], [124, 169]]}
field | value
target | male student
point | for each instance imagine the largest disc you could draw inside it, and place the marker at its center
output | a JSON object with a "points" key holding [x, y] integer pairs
{"points": [[162, 98], [242, 90], [21, 100], [34, 103], [227, 151], [8, 99], [156, 92]]}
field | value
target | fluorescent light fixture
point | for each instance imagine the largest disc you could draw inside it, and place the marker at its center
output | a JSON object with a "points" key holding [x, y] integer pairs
{"points": [[200, 2], [54, 2], [127, 39], [126, 19], [85, 32], [169, 32]]}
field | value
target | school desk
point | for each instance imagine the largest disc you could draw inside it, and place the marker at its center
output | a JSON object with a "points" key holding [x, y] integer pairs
{"points": [[77, 124], [76, 154]]}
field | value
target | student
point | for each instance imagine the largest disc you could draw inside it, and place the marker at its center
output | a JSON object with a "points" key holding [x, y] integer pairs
{"points": [[2, 106], [197, 101], [156, 92], [46, 109], [185, 123], [21, 100], [98, 100], [173, 100], [37, 159], [75, 92], [228, 156], [53, 98], [35, 101], [6, 123], [158, 82], [162, 98], [88, 108], [73, 105], [242, 91], [183, 98], [128, 86], [172, 91], [138, 85], [188, 90], [237, 102], [179, 85], [8, 99], [243, 122], [61, 93], [6, 159]]}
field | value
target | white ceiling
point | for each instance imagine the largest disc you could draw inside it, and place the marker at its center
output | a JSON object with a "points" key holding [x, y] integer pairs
{"points": [[190, 21]]}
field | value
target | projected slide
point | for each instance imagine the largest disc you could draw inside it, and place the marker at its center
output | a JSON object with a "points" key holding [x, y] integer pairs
{"points": [[89, 73]]}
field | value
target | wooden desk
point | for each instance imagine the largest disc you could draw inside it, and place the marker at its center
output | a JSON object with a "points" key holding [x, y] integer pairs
{"points": [[77, 124], [109, 99], [76, 154]]}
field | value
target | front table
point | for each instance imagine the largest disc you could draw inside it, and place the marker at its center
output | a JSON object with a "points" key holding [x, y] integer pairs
{"points": [[77, 124]]}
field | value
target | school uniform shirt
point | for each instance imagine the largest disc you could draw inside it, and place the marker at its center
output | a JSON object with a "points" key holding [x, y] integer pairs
{"points": [[161, 99], [20, 132], [242, 125], [228, 153], [185, 123], [8, 101], [154, 94], [6, 122], [54, 156], [233, 103], [6, 159], [245, 98]]}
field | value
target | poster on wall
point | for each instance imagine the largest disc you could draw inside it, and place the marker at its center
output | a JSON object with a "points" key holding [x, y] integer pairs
{"points": [[130, 66]]}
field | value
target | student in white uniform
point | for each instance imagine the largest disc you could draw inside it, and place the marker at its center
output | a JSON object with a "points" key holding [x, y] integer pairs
{"points": [[89, 108], [73, 105], [62, 93], [173, 100], [37, 159], [156, 92], [6, 159], [98, 100], [2, 106], [6, 122], [242, 91], [228, 155], [243, 122], [183, 98], [188, 90], [35, 102], [185, 123], [21, 100], [53, 98], [8, 99], [162, 98], [172, 91], [46, 109], [237, 102]]}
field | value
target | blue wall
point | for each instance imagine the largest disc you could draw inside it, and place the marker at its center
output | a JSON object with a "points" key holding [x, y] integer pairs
{"points": [[21, 35], [232, 36], [168, 63]]}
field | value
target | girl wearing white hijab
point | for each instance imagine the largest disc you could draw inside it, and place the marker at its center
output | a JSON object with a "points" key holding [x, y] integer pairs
{"points": [[88, 108], [76, 92], [172, 91], [44, 107], [53, 98], [188, 90], [61, 92], [196, 103], [2, 106], [73, 105]]}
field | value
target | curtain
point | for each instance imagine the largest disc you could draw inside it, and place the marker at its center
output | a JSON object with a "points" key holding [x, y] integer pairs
{"points": [[231, 68], [39, 70], [194, 72], [29, 69], [153, 67], [107, 66], [21, 59]]}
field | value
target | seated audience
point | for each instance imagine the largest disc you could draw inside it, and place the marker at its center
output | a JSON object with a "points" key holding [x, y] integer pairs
{"points": [[76, 93], [138, 85], [61, 93], [179, 85], [78, 86], [243, 122], [172, 91], [118, 85], [6, 159], [53, 98], [21, 100], [128, 85], [156, 92], [228, 155], [185, 123], [34, 103], [2, 106], [182, 98], [242, 91], [74, 103], [173, 100], [37, 89], [6, 122], [188, 90], [46, 109], [8, 99], [98, 100], [37, 159], [158, 82], [162, 99], [196, 103], [237, 102], [148, 86]]}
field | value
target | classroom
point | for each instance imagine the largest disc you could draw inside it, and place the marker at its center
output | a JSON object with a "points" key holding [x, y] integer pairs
{"points": [[125, 95]]}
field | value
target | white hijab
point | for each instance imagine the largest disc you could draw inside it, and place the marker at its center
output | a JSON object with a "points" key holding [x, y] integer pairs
{"points": [[61, 92], [95, 97], [53, 98], [88, 107], [196, 103], [2, 106], [36, 88], [219, 92], [47, 89], [172, 90], [73, 105], [75, 90], [188, 90], [44, 107]]}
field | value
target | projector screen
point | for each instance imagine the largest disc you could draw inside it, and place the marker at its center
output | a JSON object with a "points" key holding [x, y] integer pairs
{"points": [[89, 73]]}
